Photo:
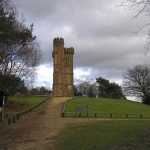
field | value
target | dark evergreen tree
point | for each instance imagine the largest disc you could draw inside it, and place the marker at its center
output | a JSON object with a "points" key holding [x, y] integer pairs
{"points": [[107, 89], [19, 53], [10, 84]]}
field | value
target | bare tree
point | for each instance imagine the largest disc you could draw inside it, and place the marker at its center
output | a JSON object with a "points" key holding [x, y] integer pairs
{"points": [[137, 82], [141, 6]]}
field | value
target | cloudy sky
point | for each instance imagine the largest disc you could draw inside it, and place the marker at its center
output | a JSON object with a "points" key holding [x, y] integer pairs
{"points": [[107, 37]]}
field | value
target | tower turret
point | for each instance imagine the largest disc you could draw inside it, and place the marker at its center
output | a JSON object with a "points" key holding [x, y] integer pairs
{"points": [[63, 69]]}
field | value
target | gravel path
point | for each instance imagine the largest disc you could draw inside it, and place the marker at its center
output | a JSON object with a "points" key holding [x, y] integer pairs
{"points": [[37, 130]]}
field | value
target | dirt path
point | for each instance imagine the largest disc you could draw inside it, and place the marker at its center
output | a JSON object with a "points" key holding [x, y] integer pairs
{"points": [[37, 131]]}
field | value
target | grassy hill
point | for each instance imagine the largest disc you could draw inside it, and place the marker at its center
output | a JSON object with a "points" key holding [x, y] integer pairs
{"points": [[128, 134], [106, 135], [21, 103], [104, 107], [27, 100]]}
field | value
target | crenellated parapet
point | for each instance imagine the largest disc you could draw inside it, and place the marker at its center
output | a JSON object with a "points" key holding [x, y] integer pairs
{"points": [[58, 41], [69, 51]]}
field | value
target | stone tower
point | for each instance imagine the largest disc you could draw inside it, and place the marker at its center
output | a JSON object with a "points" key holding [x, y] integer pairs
{"points": [[63, 69]]}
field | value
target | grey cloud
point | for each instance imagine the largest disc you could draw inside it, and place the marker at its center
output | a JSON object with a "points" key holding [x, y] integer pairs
{"points": [[50, 7], [103, 34], [116, 53]]}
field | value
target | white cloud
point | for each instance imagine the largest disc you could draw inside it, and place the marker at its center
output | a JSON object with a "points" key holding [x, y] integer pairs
{"points": [[44, 76], [82, 75]]}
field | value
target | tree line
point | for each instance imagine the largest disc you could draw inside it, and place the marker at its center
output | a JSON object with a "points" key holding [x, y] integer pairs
{"points": [[136, 83], [101, 88]]}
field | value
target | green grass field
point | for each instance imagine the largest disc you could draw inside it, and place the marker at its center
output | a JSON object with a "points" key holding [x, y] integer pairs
{"points": [[20, 103], [27, 100], [119, 108], [106, 135]]}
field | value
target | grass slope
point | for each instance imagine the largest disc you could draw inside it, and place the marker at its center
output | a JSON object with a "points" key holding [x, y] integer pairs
{"points": [[20, 103], [27, 100], [104, 105], [106, 135]]}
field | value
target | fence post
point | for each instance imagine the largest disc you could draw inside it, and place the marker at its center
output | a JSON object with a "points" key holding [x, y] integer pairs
{"points": [[95, 115], [9, 121], [0, 116], [14, 119], [141, 116], [63, 110], [63, 114], [80, 114], [18, 116], [127, 115], [87, 114], [111, 115]]}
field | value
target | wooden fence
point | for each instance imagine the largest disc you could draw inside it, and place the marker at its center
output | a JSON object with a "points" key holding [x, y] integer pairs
{"points": [[13, 117], [1, 116], [104, 115]]}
